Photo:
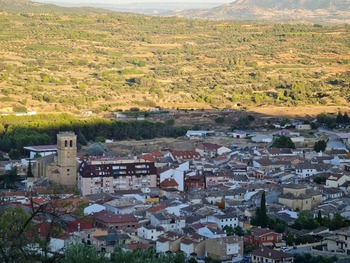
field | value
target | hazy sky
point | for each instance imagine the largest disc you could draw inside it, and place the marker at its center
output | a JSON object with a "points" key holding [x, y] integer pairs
{"points": [[134, 1]]}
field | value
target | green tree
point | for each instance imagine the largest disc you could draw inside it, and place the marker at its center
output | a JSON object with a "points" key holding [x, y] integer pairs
{"points": [[96, 149], [14, 154], [256, 219], [336, 222], [263, 213], [305, 221], [229, 230], [29, 170], [80, 253], [346, 118], [319, 218], [18, 234], [339, 119], [81, 139], [283, 142], [220, 119], [320, 146], [238, 230], [242, 123]]}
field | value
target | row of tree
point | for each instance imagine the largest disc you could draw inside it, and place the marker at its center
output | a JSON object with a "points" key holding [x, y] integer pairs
{"points": [[17, 132]]}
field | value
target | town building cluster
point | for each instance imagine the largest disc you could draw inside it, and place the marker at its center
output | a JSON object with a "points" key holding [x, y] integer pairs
{"points": [[195, 201]]}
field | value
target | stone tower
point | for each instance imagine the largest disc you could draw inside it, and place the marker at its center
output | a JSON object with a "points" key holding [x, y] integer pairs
{"points": [[66, 158]]}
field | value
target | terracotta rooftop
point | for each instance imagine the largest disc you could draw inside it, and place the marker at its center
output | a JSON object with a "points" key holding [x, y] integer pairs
{"points": [[169, 182], [261, 231], [157, 208], [109, 217], [208, 146], [185, 154]]}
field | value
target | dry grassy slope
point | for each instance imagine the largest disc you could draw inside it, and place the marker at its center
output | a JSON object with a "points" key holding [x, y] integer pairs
{"points": [[184, 58]]}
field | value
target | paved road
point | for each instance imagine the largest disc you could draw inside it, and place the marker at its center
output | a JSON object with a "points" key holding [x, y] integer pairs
{"points": [[300, 250]]}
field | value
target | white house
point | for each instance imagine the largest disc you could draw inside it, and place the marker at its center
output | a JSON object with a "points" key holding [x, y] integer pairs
{"points": [[303, 127], [94, 208], [168, 222], [211, 149], [168, 242], [304, 170], [176, 210], [211, 232], [196, 134], [262, 138], [222, 220], [239, 134], [176, 173], [193, 245], [150, 232], [123, 206]]}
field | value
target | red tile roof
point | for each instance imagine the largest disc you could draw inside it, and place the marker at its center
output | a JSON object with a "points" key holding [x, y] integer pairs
{"points": [[157, 208], [169, 182], [109, 217], [185, 154], [79, 225], [262, 231], [138, 246], [208, 146]]}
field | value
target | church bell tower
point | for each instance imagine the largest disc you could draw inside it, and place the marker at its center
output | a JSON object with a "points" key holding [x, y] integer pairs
{"points": [[66, 158]]}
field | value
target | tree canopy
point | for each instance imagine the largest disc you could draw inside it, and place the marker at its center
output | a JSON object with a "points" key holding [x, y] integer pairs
{"points": [[283, 142]]}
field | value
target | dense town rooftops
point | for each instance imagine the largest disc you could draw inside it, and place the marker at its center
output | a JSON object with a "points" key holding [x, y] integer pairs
{"points": [[109, 217]]}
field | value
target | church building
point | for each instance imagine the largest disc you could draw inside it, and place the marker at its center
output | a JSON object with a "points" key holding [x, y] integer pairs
{"points": [[60, 167]]}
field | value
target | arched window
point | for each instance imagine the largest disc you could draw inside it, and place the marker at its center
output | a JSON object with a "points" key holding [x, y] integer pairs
{"points": [[65, 143]]}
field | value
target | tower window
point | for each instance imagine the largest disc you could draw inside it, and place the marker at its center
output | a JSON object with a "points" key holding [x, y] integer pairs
{"points": [[65, 143], [71, 143]]}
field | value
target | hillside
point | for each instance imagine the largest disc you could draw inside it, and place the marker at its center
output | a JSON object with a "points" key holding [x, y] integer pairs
{"points": [[19, 6], [65, 61], [333, 11]]}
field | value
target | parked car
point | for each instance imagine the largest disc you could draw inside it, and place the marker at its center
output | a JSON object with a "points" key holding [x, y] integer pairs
{"points": [[285, 248]]}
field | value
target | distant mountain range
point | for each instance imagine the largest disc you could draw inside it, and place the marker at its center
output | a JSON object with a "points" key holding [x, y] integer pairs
{"points": [[337, 11], [297, 11], [147, 8]]}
